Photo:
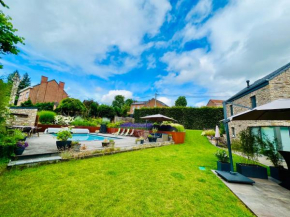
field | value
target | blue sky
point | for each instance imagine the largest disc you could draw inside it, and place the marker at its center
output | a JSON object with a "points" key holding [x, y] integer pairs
{"points": [[201, 49]]}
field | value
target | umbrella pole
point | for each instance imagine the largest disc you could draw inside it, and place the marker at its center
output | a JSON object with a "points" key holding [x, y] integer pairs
{"points": [[226, 121]]}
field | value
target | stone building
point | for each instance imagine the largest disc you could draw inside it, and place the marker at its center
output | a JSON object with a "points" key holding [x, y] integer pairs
{"points": [[46, 91], [148, 104], [215, 103], [273, 86]]}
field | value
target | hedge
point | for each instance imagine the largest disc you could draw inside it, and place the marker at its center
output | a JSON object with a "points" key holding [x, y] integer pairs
{"points": [[191, 118]]}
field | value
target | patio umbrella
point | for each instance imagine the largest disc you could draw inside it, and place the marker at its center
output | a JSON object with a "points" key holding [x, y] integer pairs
{"points": [[217, 134], [157, 117], [276, 110]]}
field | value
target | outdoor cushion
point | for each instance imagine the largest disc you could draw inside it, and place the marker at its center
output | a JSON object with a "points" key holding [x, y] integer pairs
{"points": [[83, 131]]}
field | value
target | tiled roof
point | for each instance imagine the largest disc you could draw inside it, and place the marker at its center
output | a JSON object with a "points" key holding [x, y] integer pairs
{"points": [[259, 83]]}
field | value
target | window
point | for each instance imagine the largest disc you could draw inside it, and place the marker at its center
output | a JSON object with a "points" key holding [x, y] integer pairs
{"points": [[253, 101], [27, 95], [233, 132], [232, 110]]}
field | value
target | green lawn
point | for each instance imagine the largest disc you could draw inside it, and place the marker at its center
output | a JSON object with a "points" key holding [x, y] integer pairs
{"points": [[162, 181]]}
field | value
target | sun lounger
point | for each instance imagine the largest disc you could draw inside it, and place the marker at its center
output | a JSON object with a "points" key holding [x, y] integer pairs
{"points": [[127, 132], [122, 132], [132, 133], [117, 133]]}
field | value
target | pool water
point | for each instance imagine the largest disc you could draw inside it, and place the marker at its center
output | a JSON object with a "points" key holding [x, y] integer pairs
{"points": [[89, 137]]}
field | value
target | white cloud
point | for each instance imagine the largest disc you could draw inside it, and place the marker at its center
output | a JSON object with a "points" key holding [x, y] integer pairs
{"points": [[245, 43], [151, 62], [199, 12], [165, 100], [200, 104], [109, 97], [79, 35]]}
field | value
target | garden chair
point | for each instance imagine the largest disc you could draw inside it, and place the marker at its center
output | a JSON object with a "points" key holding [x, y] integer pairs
{"points": [[122, 132], [117, 133], [132, 133], [125, 134]]}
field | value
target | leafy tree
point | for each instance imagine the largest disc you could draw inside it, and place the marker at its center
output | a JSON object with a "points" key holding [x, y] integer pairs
{"points": [[119, 101], [8, 39], [4, 101], [106, 111], [27, 103], [11, 76], [25, 82], [71, 107], [249, 145], [181, 101], [44, 106], [92, 108], [129, 102]]}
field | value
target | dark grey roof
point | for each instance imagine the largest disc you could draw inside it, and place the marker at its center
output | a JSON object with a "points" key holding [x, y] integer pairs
{"points": [[259, 83]]}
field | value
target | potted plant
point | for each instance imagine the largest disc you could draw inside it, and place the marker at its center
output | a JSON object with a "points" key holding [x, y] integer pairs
{"points": [[151, 138], [270, 149], [105, 143], [141, 139], [62, 137], [76, 145], [250, 149], [20, 147], [223, 161], [112, 143]]}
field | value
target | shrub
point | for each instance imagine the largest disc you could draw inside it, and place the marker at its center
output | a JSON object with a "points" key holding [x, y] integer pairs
{"points": [[114, 125], [249, 145], [178, 127], [236, 144], [63, 120], [64, 135], [46, 117], [71, 107], [78, 121], [44, 106], [190, 118], [222, 156], [208, 133]]}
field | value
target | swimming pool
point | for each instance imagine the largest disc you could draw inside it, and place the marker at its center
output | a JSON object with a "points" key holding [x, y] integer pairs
{"points": [[89, 137]]}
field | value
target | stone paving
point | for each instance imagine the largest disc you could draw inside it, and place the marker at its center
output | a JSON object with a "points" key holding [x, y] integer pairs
{"points": [[264, 198], [46, 143]]}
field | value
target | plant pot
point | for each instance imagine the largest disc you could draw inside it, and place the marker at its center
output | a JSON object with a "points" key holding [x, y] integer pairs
{"points": [[221, 166], [252, 170], [105, 144], [279, 173], [103, 128], [141, 141], [152, 139], [63, 145], [77, 148], [19, 151]]}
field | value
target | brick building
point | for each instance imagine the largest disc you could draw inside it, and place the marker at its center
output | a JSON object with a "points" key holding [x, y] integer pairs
{"points": [[148, 104], [215, 103], [275, 85], [46, 91]]}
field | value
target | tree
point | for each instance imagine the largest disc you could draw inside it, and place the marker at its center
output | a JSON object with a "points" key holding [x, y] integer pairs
{"points": [[4, 101], [71, 107], [8, 39], [44, 106], [27, 103], [119, 101], [129, 102], [25, 82], [92, 108], [181, 101], [106, 111]]}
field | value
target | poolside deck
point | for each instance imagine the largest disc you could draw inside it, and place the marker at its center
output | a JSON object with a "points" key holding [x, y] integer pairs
{"points": [[46, 143]]}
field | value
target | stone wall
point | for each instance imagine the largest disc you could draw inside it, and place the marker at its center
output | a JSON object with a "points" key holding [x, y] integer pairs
{"points": [[22, 116], [278, 88]]}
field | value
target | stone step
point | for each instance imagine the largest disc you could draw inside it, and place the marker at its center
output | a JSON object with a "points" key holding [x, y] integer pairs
{"points": [[32, 156], [34, 161]]}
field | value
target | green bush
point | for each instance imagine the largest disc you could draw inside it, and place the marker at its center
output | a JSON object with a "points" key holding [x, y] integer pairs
{"points": [[222, 156], [249, 145], [208, 133], [44, 106], [190, 118], [178, 127], [46, 117], [78, 121], [115, 125], [64, 135]]}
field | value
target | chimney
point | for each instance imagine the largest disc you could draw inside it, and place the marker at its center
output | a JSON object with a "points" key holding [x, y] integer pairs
{"points": [[43, 79], [61, 85], [248, 83]]}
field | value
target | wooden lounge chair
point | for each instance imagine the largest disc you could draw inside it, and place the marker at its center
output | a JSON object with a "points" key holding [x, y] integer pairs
{"points": [[117, 133], [132, 133], [122, 132], [126, 132]]}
